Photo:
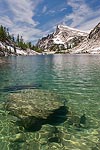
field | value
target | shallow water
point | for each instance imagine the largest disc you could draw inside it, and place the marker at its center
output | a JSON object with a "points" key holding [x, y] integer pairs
{"points": [[77, 78]]}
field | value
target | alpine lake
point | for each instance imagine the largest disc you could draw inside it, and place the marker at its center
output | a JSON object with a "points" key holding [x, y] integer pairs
{"points": [[63, 93]]}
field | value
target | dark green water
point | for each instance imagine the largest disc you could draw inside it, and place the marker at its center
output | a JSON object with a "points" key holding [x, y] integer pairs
{"points": [[77, 78]]}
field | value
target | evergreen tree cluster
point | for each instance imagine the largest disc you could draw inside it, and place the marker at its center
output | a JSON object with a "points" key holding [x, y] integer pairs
{"points": [[17, 42], [4, 35]]}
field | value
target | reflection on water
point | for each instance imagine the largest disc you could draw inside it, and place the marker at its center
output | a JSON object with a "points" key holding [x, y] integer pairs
{"points": [[77, 78]]}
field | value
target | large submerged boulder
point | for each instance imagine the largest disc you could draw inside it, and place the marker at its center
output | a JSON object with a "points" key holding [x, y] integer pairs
{"points": [[36, 107]]}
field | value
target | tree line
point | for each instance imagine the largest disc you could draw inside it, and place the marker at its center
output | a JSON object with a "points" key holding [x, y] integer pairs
{"points": [[18, 41]]}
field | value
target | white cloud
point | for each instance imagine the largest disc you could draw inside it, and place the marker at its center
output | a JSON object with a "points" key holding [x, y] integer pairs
{"points": [[6, 21], [81, 15], [63, 9], [90, 24], [19, 15], [27, 32], [44, 9], [20, 18], [51, 12], [23, 10]]}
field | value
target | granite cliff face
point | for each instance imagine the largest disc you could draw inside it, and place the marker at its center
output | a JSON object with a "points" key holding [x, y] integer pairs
{"points": [[10, 45], [95, 33], [63, 38], [9, 49], [91, 44], [70, 40]]}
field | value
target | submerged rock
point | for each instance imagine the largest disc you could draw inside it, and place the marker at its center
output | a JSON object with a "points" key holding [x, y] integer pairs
{"points": [[78, 121], [54, 139], [36, 107], [55, 136], [82, 120], [58, 116]]}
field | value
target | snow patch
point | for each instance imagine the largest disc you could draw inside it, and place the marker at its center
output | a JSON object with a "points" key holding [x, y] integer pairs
{"points": [[70, 38], [96, 49], [21, 52], [10, 48], [70, 28], [1, 45], [58, 41]]}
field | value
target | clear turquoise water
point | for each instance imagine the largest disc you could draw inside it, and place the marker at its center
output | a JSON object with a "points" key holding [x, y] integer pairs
{"points": [[77, 77]]}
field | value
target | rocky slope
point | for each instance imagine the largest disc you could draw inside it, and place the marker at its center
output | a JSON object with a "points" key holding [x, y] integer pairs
{"points": [[91, 43], [63, 38], [8, 48], [70, 40], [10, 45]]}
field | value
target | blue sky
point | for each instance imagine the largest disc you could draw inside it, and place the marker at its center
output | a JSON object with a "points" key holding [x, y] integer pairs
{"points": [[34, 19]]}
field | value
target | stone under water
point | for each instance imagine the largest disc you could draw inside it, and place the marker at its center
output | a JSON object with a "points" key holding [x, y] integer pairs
{"points": [[36, 107]]}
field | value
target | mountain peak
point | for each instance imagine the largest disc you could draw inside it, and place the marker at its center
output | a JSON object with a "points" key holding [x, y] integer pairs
{"points": [[63, 27], [64, 36], [67, 39]]}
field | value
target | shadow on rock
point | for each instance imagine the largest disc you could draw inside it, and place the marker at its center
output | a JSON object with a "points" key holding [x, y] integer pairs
{"points": [[36, 107], [32, 124], [58, 116]]}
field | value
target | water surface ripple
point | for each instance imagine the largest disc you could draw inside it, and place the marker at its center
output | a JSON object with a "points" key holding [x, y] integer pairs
{"points": [[77, 78]]}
